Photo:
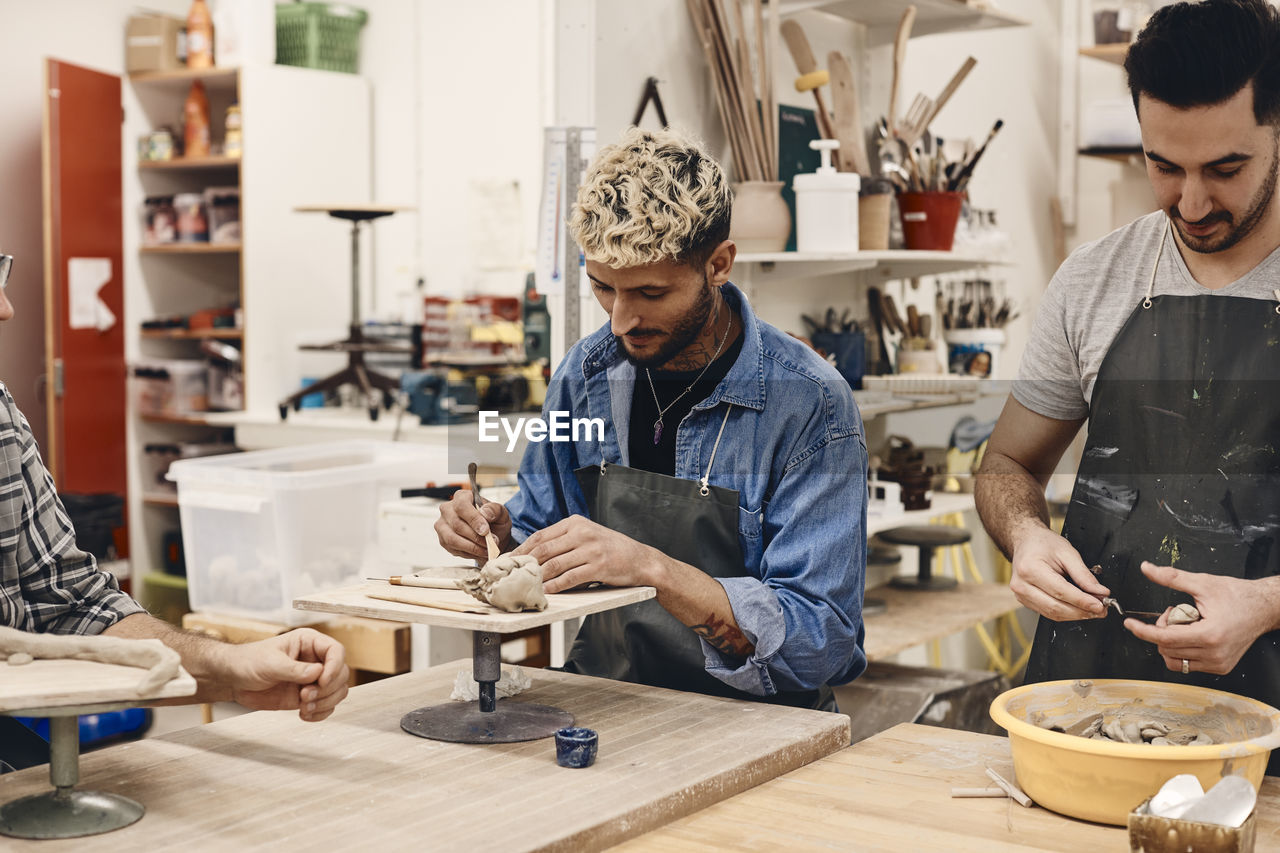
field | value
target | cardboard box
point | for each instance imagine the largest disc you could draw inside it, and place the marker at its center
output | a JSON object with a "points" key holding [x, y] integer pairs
{"points": [[151, 43]]}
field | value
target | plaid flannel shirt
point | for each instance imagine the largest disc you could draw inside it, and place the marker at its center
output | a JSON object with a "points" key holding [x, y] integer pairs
{"points": [[47, 584]]}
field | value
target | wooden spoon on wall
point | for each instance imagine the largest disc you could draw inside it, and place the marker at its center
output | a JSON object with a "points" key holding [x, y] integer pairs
{"points": [[848, 126], [899, 56]]}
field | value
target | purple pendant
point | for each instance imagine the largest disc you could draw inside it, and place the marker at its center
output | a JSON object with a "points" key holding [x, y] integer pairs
{"points": [[657, 431]]}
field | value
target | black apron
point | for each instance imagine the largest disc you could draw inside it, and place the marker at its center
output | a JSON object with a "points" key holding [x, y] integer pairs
{"points": [[688, 520], [1181, 468]]}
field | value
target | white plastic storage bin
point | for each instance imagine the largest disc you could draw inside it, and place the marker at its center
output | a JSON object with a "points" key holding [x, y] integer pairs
{"points": [[262, 528]]}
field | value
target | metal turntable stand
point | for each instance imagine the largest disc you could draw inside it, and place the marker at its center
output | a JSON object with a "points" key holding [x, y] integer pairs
{"points": [[96, 688], [489, 720]]}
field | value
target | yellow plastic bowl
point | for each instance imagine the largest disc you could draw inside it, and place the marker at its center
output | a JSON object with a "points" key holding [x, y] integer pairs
{"points": [[1102, 780]]}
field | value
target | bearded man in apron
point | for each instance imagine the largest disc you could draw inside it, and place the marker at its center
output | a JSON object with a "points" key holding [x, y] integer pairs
{"points": [[732, 472], [1166, 335]]}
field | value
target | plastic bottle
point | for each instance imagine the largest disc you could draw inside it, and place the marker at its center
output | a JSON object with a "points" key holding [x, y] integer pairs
{"points": [[199, 36], [195, 114], [826, 205]]}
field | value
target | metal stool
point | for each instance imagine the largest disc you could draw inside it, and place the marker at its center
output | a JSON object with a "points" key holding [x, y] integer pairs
{"points": [[928, 538]]}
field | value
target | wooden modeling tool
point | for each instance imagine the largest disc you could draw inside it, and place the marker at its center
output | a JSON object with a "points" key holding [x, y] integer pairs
{"points": [[848, 126], [490, 540], [811, 78], [482, 609], [899, 56]]}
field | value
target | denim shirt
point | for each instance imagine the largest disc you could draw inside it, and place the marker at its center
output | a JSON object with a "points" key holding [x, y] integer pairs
{"points": [[792, 447]]}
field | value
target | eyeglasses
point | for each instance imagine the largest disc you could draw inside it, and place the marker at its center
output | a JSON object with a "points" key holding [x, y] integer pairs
{"points": [[6, 264]]}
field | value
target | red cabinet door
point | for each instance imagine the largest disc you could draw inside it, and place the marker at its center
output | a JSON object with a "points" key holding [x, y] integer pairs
{"points": [[84, 286]]}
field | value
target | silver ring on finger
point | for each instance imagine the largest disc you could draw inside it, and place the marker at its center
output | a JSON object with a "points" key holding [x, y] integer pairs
{"points": [[1186, 666]]}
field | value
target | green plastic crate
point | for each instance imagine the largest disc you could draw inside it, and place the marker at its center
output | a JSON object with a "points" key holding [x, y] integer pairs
{"points": [[319, 35]]}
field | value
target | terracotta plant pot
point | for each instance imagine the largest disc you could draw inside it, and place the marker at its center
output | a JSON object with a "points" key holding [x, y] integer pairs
{"points": [[761, 218]]}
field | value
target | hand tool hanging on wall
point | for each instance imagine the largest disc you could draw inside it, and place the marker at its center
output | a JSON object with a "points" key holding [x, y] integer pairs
{"points": [[649, 95], [811, 78]]}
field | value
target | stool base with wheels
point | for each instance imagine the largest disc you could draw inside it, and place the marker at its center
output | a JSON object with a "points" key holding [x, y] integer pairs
{"points": [[928, 538], [379, 390]]}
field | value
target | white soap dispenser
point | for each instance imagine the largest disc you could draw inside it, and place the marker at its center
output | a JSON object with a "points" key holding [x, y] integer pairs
{"points": [[826, 205]]}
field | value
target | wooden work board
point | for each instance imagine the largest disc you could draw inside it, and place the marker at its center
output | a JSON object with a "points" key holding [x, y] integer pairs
{"points": [[913, 616], [892, 792], [357, 782], [48, 684], [354, 601]]}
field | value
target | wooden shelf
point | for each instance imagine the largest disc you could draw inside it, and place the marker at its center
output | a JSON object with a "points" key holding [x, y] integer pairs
{"points": [[189, 163], [191, 249], [160, 500], [1114, 53], [890, 264], [1128, 156], [213, 78], [194, 334], [192, 418], [932, 16]]}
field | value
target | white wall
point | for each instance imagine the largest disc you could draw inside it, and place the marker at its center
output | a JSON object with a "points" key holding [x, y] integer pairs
{"points": [[461, 93], [84, 32]]}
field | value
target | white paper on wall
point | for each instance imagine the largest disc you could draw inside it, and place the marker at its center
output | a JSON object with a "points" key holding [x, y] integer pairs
{"points": [[85, 279]]}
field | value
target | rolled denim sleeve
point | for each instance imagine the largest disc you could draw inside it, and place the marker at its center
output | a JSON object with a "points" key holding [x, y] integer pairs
{"points": [[804, 612]]}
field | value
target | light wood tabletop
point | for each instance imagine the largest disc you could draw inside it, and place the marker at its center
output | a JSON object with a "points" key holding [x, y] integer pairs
{"points": [[267, 780], [43, 685], [355, 601], [892, 792]]}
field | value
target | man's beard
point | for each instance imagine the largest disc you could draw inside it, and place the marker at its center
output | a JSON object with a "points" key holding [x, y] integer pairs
{"points": [[1261, 202], [685, 332]]}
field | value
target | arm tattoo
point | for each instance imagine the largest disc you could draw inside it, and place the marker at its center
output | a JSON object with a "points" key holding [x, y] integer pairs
{"points": [[723, 637]]}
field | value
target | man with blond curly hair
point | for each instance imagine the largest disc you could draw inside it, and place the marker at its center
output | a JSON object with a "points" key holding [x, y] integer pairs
{"points": [[732, 473]]}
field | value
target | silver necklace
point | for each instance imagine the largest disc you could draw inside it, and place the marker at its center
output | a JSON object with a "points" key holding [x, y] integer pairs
{"points": [[662, 410]]}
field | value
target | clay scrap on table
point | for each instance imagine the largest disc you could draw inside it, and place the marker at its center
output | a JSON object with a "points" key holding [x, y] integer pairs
{"points": [[161, 662], [1132, 728], [512, 681], [508, 582]]}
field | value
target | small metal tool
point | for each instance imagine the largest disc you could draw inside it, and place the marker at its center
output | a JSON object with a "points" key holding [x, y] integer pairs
{"points": [[491, 541], [1137, 614]]}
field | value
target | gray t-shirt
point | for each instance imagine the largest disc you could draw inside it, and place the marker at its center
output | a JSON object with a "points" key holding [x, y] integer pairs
{"points": [[1091, 298]]}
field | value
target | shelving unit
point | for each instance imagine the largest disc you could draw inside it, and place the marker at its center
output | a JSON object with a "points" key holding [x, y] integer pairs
{"points": [[306, 139], [932, 16]]}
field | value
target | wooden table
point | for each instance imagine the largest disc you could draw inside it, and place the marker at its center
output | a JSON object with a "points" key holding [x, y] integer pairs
{"points": [[356, 782], [892, 792]]}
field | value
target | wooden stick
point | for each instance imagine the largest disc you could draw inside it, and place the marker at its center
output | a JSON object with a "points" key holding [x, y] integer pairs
{"points": [[1010, 788], [733, 90], [704, 38], [946, 93], [750, 107], [980, 792], [766, 95], [492, 542], [899, 55], [439, 605]]}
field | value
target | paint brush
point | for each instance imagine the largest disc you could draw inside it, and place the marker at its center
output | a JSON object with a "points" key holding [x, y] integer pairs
{"points": [[424, 583], [961, 179]]}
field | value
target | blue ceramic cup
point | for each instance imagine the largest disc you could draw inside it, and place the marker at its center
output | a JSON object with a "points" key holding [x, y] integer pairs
{"points": [[576, 747]]}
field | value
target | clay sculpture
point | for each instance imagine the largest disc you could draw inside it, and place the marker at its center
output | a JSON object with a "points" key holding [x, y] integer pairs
{"points": [[161, 662], [508, 582]]}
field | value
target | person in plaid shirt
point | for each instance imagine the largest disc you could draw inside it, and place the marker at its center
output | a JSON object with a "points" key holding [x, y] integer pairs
{"points": [[48, 585]]}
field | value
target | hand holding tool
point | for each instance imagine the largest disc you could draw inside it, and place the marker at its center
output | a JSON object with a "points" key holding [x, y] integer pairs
{"points": [[490, 540]]}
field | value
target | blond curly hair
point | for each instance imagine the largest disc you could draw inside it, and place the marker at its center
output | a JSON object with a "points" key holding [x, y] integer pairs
{"points": [[652, 197]]}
